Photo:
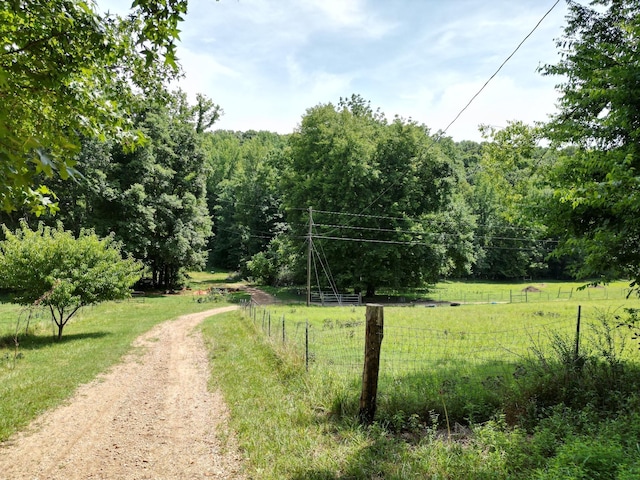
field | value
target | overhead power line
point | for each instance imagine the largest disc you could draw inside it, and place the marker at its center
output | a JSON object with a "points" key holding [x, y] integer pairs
{"points": [[416, 243], [414, 232], [502, 65], [408, 219], [348, 214]]}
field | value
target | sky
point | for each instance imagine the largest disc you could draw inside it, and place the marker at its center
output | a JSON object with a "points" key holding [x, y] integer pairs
{"points": [[265, 62]]}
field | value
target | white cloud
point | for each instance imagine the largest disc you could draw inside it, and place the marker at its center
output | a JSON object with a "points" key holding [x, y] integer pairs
{"points": [[354, 15], [267, 62], [502, 101], [202, 72]]}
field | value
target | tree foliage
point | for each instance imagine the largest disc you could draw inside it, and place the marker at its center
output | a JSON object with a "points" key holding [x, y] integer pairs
{"points": [[380, 190], [51, 267], [243, 194], [596, 197], [152, 198], [511, 174], [67, 72]]}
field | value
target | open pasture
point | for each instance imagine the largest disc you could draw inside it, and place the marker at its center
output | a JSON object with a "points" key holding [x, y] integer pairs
{"points": [[525, 291], [466, 357], [422, 338]]}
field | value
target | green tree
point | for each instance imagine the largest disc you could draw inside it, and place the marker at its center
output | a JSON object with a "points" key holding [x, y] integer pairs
{"points": [[50, 267], [512, 242], [243, 195], [154, 198], [67, 71], [595, 201], [206, 113], [380, 191], [275, 264]]}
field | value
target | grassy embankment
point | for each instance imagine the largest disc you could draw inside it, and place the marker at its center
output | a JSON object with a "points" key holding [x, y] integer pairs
{"points": [[556, 419]]}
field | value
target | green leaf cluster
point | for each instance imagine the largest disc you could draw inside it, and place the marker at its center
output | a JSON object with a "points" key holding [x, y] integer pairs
{"points": [[594, 203], [511, 175], [243, 194], [152, 198], [349, 158], [53, 268], [67, 72]]}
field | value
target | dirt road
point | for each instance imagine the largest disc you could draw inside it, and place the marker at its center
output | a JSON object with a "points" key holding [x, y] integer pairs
{"points": [[150, 417]]}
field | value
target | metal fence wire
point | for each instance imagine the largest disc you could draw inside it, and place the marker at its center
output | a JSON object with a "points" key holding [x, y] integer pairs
{"points": [[406, 351]]}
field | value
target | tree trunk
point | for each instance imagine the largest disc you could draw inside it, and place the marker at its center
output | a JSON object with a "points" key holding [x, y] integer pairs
{"points": [[371, 291], [171, 280]]}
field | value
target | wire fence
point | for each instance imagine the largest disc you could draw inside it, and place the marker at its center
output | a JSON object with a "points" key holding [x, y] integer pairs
{"points": [[529, 294], [338, 344]]}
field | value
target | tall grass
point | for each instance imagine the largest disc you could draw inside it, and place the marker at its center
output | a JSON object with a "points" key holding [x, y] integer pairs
{"points": [[298, 425], [455, 362], [287, 424]]}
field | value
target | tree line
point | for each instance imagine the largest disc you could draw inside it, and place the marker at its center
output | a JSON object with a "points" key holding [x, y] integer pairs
{"points": [[378, 202]]}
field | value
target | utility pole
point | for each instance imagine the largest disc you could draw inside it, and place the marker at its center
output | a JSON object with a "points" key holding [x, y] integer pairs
{"points": [[309, 257]]}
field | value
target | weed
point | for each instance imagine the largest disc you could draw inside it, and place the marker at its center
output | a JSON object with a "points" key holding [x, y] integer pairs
{"points": [[586, 458], [409, 440]]}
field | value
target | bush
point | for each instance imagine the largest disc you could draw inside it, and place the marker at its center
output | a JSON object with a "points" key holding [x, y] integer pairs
{"points": [[598, 378], [584, 458], [272, 267], [51, 267]]}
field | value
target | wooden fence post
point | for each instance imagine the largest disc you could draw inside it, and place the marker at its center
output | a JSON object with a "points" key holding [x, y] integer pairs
{"points": [[576, 351], [306, 345], [373, 341]]}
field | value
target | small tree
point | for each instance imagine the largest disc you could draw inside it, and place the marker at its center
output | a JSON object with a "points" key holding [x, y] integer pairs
{"points": [[50, 267]]}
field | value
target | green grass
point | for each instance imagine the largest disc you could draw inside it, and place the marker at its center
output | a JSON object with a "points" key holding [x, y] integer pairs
{"points": [[43, 372], [303, 425], [212, 278], [455, 361], [470, 291], [298, 425], [419, 335], [539, 291]]}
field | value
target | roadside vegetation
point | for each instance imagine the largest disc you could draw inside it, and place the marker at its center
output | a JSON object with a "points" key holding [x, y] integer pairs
{"points": [[557, 417]]}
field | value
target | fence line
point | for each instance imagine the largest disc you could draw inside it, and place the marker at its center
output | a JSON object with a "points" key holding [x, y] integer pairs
{"points": [[529, 294], [439, 361], [338, 344]]}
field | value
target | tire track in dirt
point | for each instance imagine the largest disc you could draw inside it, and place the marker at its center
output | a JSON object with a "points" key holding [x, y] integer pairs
{"points": [[259, 296], [150, 417]]}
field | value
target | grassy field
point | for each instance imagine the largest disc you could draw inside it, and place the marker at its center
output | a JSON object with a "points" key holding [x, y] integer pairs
{"points": [[552, 420], [443, 410], [483, 292], [212, 278], [525, 291], [298, 425], [417, 337], [41, 372]]}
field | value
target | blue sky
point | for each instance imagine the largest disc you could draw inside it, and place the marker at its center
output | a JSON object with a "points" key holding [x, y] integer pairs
{"points": [[265, 62]]}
